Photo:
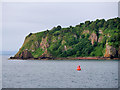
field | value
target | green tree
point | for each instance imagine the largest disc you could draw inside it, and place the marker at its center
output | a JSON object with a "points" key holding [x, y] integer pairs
{"points": [[58, 27], [87, 23]]}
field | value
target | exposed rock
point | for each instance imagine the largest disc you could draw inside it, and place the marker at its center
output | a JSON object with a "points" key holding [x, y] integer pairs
{"points": [[37, 44], [12, 58], [46, 58], [93, 38], [100, 38], [44, 44], [110, 51], [25, 41], [119, 52], [46, 54], [25, 55], [65, 48], [34, 46]]}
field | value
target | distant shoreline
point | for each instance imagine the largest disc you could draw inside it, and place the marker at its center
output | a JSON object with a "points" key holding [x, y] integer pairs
{"points": [[65, 58]]}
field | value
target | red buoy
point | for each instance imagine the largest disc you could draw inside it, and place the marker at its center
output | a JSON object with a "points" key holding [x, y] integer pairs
{"points": [[78, 68]]}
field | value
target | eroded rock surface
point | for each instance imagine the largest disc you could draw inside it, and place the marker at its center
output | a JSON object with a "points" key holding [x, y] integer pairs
{"points": [[44, 44], [25, 55], [119, 52], [93, 38], [110, 51]]}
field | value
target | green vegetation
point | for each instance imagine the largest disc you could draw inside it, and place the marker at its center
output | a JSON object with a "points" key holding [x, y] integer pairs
{"points": [[37, 53], [76, 41]]}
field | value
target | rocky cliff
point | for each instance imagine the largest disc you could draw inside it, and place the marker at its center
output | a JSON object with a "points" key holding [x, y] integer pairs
{"points": [[93, 39], [119, 52], [110, 51], [24, 55]]}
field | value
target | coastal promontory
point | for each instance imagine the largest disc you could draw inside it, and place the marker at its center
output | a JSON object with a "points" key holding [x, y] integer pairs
{"points": [[99, 38]]}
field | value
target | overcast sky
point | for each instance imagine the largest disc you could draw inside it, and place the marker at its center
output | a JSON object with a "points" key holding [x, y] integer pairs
{"points": [[19, 19]]}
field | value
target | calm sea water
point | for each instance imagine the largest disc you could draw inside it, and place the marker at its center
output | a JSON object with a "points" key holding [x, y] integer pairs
{"points": [[59, 73]]}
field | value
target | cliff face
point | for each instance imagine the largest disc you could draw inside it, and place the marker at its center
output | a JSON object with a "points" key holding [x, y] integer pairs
{"points": [[110, 51], [24, 55], [119, 52], [44, 44], [80, 41], [93, 38]]}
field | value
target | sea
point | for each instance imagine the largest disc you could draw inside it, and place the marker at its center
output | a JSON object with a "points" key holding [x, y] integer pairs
{"points": [[59, 73]]}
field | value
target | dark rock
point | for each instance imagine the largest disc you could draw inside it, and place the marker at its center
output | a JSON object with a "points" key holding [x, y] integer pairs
{"points": [[12, 57], [119, 52], [29, 34], [47, 58], [36, 58], [25, 55]]}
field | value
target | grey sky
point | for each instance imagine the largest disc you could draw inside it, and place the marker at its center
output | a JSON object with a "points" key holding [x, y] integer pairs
{"points": [[19, 19]]}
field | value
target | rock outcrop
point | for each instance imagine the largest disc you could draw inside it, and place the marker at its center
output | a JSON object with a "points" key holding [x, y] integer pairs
{"points": [[110, 51], [119, 52], [37, 44], [93, 38], [46, 54], [34, 46], [85, 39], [44, 44], [25, 55], [65, 48]]}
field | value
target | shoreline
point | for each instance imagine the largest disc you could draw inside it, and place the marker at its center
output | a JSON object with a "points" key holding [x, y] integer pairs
{"points": [[65, 58]]}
